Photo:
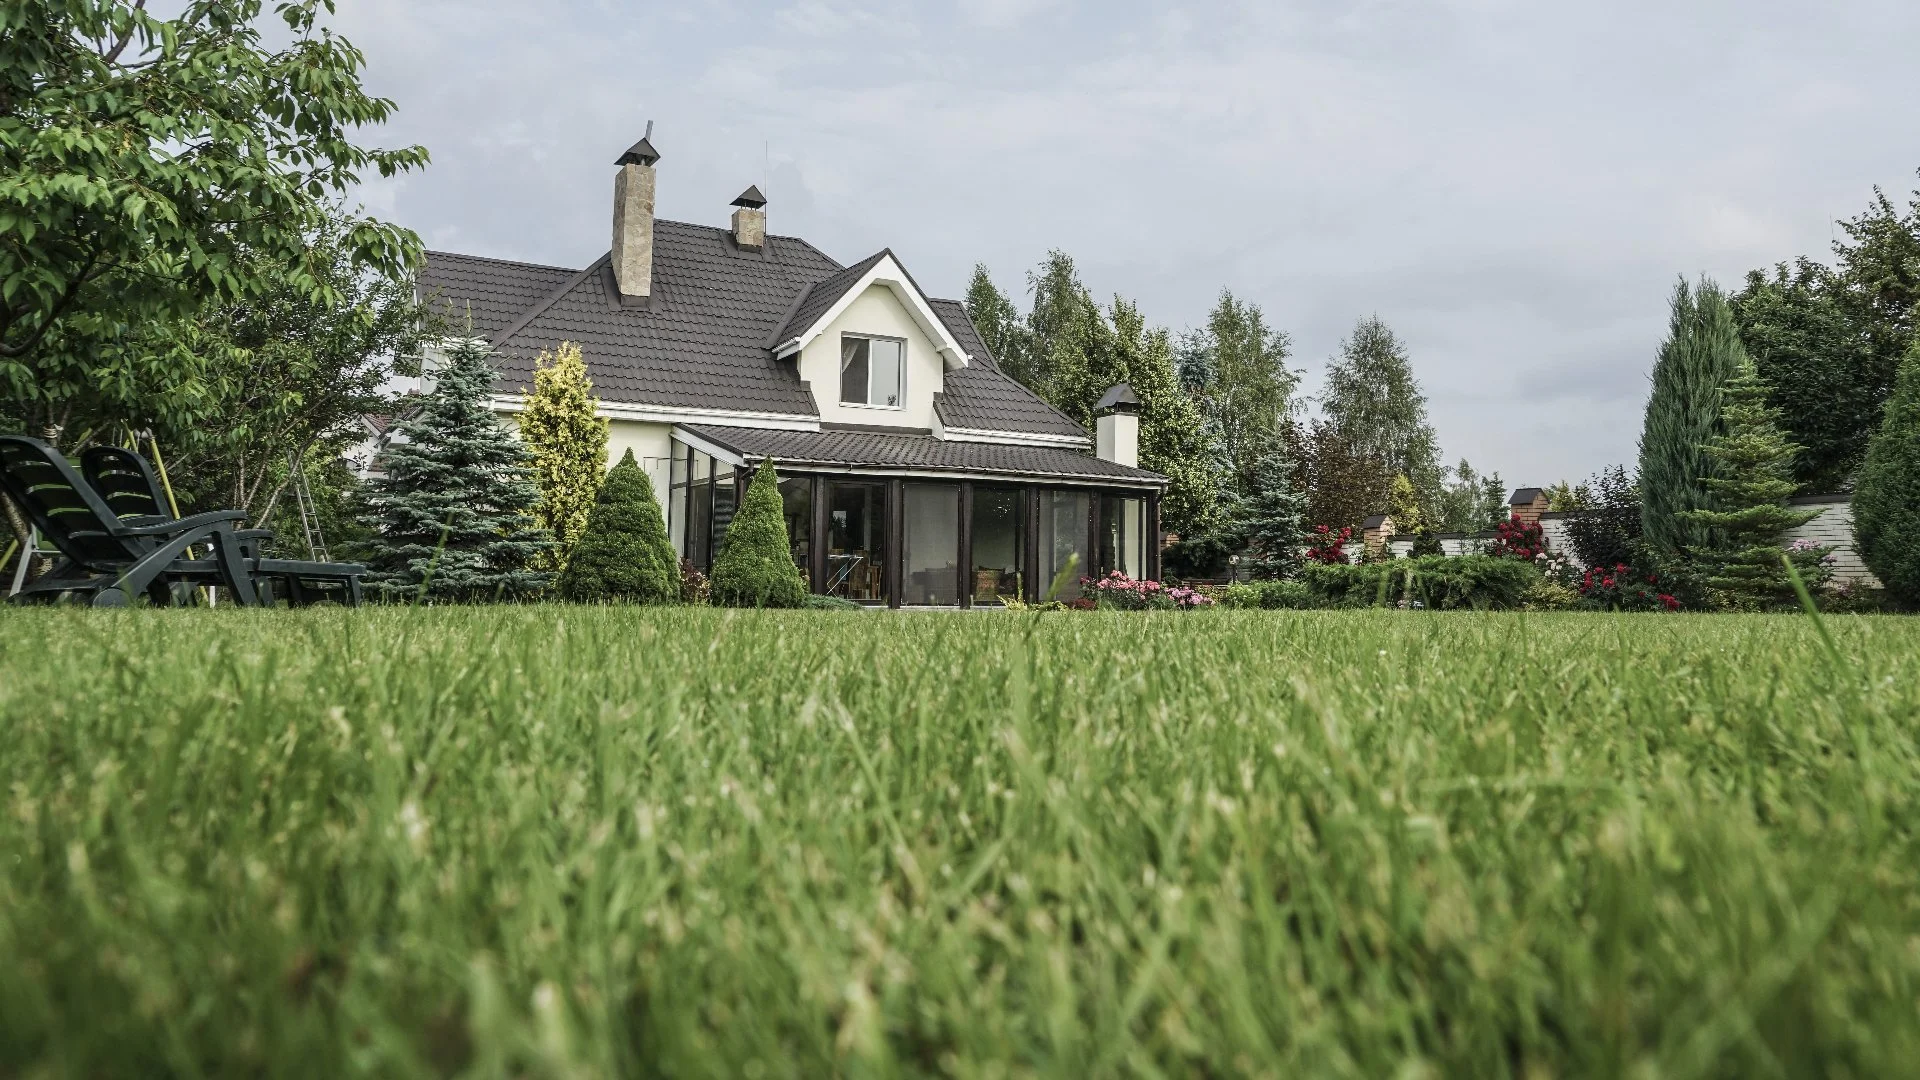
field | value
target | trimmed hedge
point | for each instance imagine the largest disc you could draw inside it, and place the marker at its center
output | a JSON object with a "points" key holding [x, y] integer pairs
{"points": [[623, 554], [1886, 502], [755, 568], [1269, 596], [1439, 582]]}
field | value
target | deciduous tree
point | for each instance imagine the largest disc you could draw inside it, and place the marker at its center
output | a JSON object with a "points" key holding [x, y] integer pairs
{"points": [[1828, 339], [1376, 403], [148, 165]]}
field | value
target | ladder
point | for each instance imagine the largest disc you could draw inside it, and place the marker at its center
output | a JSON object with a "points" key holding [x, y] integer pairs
{"points": [[309, 514]]}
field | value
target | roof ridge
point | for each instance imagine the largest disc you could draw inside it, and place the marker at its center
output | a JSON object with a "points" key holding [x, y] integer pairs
{"points": [[502, 262], [552, 298], [799, 298], [723, 229]]}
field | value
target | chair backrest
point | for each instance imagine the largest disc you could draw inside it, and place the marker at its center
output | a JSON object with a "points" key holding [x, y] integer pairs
{"points": [[61, 504], [125, 481]]}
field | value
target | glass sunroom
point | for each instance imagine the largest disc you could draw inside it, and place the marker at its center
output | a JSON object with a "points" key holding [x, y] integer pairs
{"points": [[907, 520]]}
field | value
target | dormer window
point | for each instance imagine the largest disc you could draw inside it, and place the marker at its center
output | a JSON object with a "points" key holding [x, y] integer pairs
{"points": [[871, 371]]}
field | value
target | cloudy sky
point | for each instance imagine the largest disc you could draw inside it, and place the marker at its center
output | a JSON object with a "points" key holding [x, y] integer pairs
{"points": [[1513, 185]]}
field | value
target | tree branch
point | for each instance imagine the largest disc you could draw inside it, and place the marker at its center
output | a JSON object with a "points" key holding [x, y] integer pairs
{"points": [[120, 46], [59, 309]]}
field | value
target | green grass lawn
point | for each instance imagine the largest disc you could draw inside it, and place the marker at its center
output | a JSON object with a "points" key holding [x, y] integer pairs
{"points": [[579, 842]]}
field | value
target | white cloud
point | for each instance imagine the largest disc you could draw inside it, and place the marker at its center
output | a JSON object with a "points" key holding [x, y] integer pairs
{"points": [[1513, 186]]}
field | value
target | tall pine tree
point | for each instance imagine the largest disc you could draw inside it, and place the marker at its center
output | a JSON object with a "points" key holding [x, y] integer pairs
{"points": [[1271, 516], [1753, 477], [568, 440], [454, 509], [1701, 355], [1886, 505], [997, 319]]}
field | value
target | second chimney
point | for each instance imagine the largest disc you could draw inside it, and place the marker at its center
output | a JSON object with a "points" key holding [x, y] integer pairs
{"points": [[633, 221], [750, 220]]}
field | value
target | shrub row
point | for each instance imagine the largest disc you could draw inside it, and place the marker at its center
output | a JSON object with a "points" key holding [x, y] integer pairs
{"points": [[1439, 582]]}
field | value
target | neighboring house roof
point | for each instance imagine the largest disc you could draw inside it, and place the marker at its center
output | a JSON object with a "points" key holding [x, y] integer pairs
{"points": [[1373, 522], [1526, 496], [916, 451], [705, 339]]}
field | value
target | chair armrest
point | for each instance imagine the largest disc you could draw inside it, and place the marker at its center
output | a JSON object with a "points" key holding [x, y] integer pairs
{"points": [[197, 521]]}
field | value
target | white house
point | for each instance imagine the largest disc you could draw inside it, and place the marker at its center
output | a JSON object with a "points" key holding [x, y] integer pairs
{"points": [[914, 471]]}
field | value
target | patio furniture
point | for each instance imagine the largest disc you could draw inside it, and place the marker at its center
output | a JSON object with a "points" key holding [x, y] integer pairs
{"points": [[126, 482], [104, 558]]}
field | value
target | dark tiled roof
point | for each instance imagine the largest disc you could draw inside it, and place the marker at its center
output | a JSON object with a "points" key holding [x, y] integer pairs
{"points": [[822, 296], [700, 342], [703, 341], [1525, 496], [495, 292], [982, 397], [919, 452], [1374, 521]]}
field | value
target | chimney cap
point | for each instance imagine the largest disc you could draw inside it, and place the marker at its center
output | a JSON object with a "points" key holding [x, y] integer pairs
{"points": [[642, 152], [751, 198], [1119, 398]]}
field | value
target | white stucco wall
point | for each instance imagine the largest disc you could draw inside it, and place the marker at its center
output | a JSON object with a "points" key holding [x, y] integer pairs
{"points": [[652, 448], [651, 445], [879, 313]]}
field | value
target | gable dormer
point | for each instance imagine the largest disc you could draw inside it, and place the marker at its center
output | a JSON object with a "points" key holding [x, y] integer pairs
{"points": [[870, 347]]}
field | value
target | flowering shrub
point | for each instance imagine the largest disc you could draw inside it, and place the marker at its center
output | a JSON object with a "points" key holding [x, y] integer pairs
{"points": [[1517, 539], [1119, 592], [1329, 547], [1624, 588], [1815, 562]]}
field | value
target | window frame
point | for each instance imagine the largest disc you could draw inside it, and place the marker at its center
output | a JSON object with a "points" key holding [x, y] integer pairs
{"points": [[901, 393]]}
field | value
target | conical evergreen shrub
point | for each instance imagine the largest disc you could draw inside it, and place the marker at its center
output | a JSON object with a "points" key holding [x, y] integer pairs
{"points": [[454, 510], [1754, 463], [1886, 501], [1701, 354], [755, 567], [623, 554]]}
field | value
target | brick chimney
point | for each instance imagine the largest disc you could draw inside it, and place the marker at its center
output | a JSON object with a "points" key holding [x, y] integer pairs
{"points": [[1528, 504], [750, 219], [1116, 427], [633, 222]]}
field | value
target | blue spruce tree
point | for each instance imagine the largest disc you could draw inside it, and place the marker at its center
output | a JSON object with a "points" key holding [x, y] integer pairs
{"points": [[1272, 514], [455, 509]]}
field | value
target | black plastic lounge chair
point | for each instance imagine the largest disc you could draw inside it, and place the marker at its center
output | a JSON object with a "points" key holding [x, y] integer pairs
{"points": [[104, 558], [126, 482]]}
